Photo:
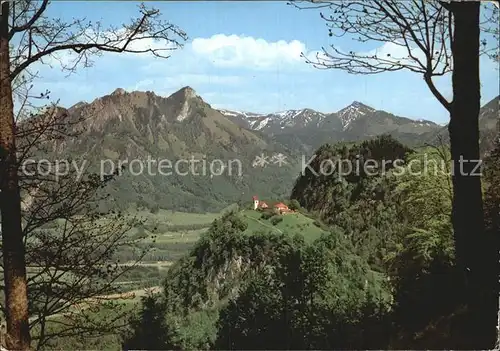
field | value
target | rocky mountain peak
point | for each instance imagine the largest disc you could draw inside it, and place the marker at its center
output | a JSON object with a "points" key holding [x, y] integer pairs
{"points": [[78, 105], [118, 91], [352, 112], [357, 104], [186, 92], [183, 100]]}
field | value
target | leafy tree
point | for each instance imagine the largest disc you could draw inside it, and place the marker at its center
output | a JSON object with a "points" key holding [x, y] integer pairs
{"points": [[307, 297], [492, 211], [425, 192], [435, 38], [36, 37], [71, 244], [424, 250], [294, 205], [358, 202], [149, 329], [276, 219]]}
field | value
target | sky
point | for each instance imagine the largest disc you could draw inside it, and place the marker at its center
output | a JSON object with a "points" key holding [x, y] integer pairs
{"points": [[245, 56]]}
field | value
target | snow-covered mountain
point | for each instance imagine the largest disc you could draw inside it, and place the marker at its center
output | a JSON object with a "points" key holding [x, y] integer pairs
{"points": [[278, 122], [356, 119], [351, 113]]}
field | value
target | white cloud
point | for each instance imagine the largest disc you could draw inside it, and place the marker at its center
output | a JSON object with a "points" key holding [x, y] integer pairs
{"points": [[384, 56], [180, 80], [199, 79], [398, 53], [68, 58], [243, 51], [394, 52], [317, 56], [161, 46]]}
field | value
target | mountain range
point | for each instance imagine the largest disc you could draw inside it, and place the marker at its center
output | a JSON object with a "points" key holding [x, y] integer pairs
{"points": [[355, 118], [311, 128], [269, 147]]}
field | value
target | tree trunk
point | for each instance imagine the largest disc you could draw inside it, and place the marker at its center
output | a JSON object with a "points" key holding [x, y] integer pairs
{"points": [[16, 299], [473, 249]]}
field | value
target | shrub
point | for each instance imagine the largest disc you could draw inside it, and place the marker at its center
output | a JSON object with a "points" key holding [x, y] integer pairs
{"points": [[294, 205], [267, 214]]}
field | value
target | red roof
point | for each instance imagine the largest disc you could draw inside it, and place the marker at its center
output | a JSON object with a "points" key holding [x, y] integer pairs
{"points": [[262, 204], [254, 197], [281, 205]]}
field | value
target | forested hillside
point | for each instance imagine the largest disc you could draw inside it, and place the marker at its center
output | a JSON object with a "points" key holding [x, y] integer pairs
{"points": [[353, 288]]}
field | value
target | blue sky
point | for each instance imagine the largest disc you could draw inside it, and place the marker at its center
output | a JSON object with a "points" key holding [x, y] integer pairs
{"points": [[245, 56]]}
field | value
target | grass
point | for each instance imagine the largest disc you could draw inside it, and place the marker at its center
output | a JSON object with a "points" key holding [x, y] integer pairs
{"points": [[176, 218], [169, 235], [115, 315], [175, 237], [292, 224]]}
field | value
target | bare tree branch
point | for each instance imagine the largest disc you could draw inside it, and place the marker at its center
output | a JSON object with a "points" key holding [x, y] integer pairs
{"points": [[416, 36], [27, 25], [41, 39], [70, 247]]}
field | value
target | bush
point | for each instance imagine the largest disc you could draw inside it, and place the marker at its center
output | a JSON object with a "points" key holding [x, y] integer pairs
{"points": [[267, 214], [276, 219], [294, 205], [149, 329]]}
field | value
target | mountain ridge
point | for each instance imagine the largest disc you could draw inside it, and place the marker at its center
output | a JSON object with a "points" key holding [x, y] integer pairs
{"points": [[284, 114], [341, 120], [139, 125]]}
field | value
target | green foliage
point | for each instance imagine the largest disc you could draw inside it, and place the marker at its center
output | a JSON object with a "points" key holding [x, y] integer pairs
{"points": [[149, 329], [195, 331], [243, 289], [294, 205], [101, 328], [492, 185], [491, 248], [217, 264], [236, 290], [276, 219], [425, 190], [399, 220], [266, 214], [317, 296], [359, 202], [291, 225]]}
